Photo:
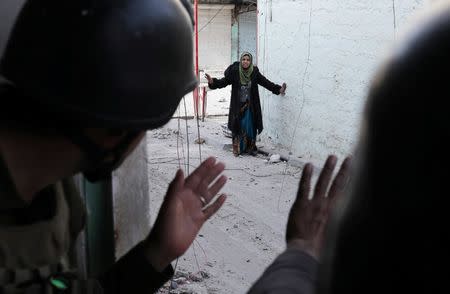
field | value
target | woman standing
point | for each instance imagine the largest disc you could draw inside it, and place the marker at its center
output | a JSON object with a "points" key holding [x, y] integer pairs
{"points": [[245, 117]]}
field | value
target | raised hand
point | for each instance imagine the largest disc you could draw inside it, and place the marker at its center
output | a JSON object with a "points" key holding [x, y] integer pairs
{"points": [[186, 207], [208, 77], [308, 219], [283, 89]]}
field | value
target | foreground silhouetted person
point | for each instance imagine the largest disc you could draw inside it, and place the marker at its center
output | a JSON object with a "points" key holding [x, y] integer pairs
{"points": [[81, 82], [390, 234]]}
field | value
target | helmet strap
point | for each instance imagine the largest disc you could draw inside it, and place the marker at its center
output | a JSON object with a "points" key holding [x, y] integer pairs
{"points": [[98, 156]]}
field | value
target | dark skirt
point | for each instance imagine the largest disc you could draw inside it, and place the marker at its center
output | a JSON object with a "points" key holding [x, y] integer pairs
{"points": [[244, 141]]}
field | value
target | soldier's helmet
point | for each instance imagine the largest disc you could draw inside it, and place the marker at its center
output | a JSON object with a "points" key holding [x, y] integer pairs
{"points": [[99, 63]]}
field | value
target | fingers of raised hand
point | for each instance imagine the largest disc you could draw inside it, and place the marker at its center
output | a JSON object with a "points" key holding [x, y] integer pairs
{"points": [[319, 201], [208, 191], [204, 172], [305, 185], [216, 187], [205, 181], [214, 206], [214, 172], [324, 178], [308, 217], [340, 181]]}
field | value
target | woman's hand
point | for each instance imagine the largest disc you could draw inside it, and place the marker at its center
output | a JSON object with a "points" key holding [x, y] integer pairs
{"points": [[208, 77], [308, 219], [185, 209], [283, 89]]}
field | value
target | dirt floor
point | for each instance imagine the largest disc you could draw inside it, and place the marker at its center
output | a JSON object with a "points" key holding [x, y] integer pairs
{"points": [[242, 239]]}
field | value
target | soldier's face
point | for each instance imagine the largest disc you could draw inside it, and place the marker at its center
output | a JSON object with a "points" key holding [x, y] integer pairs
{"points": [[100, 170]]}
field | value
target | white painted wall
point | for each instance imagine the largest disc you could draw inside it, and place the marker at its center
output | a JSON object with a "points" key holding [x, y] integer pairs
{"points": [[247, 32], [130, 188], [328, 61]]}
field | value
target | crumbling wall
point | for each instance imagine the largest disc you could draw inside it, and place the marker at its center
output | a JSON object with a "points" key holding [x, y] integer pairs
{"points": [[327, 51]]}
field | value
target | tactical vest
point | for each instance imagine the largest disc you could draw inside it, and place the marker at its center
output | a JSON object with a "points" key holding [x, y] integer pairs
{"points": [[34, 257], [46, 280]]}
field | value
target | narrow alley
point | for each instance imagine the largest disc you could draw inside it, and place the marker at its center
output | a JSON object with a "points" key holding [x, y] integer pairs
{"points": [[247, 233]]}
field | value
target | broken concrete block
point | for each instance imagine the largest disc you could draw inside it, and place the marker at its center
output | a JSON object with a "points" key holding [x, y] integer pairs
{"points": [[275, 158]]}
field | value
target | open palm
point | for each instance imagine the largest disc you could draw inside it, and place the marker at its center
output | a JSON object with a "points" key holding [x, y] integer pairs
{"points": [[308, 218], [186, 207]]}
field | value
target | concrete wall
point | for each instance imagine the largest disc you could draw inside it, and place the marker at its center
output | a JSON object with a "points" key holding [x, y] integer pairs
{"points": [[131, 200], [327, 52], [247, 32]]}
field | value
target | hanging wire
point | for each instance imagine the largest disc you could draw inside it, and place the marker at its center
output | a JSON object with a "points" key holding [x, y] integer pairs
{"points": [[187, 137], [179, 167], [203, 250], [195, 257], [297, 122], [264, 65], [198, 127], [186, 165], [178, 140], [395, 17], [211, 19]]}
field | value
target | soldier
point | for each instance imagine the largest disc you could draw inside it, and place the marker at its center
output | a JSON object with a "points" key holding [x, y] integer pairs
{"points": [[84, 80]]}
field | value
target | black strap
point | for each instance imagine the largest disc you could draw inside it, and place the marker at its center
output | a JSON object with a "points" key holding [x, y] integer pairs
{"points": [[96, 153]]}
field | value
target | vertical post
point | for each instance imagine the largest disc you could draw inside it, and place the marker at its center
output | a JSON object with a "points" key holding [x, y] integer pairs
{"points": [[235, 39], [196, 37], [100, 226], [196, 93], [257, 35], [204, 103]]}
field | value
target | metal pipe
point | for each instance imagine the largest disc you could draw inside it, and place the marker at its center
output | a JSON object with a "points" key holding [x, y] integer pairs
{"points": [[196, 90], [196, 37]]}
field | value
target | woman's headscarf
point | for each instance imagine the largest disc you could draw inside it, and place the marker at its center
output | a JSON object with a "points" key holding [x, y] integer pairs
{"points": [[245, 74]]}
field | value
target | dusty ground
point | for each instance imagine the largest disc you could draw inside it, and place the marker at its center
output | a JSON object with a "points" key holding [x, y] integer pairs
{"points": [[238, 243]]}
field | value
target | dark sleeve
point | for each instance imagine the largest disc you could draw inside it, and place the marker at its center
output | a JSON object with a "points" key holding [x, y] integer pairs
{"points": [[263, 81], [134, 274], [292, 272], [225, 81]]}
